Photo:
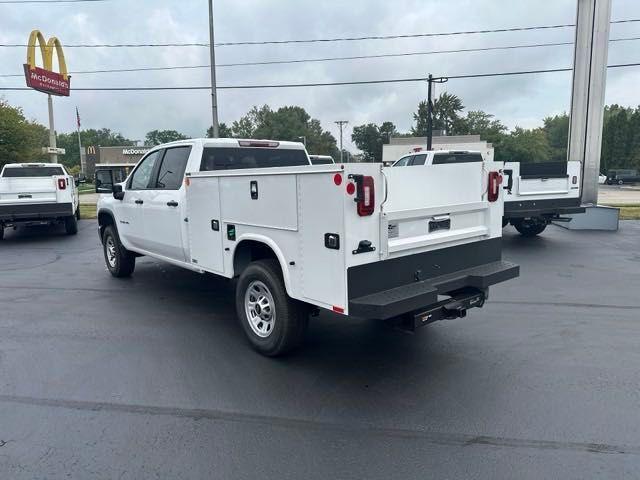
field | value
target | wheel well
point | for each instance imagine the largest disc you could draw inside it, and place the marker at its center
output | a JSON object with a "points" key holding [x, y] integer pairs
{"points": [[104, 219], [249, 251]]}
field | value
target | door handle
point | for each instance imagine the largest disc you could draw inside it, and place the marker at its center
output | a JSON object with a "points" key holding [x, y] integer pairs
{"points": [[139, 202], [172, 203]]}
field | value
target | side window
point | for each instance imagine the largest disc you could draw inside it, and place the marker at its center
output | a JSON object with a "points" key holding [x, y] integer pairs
{"points": [[141, 177], [171, 170], [418, 159], [402, 162]]}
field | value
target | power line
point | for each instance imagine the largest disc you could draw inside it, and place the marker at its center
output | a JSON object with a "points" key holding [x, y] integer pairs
{"points": [[325, 59], [319, 40], [49, 1], [327, 84]]}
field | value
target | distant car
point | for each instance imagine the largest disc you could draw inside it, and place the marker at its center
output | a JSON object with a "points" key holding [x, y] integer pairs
{"points": [[622, 176], [321, 159], [602, 179]]}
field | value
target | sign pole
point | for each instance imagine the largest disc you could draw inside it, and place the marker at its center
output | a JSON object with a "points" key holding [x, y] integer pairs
{"points": [[214, 97], [52, 131]]}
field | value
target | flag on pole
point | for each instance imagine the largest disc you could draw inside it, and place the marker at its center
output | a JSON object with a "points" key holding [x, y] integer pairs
{"points": [[78, 117]]}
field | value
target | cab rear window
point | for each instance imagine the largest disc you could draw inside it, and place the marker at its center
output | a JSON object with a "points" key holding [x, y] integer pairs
{"points": [[442, 158], [220, 158], [22, 172]]}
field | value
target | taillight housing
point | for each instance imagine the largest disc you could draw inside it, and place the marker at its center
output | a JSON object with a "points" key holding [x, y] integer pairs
{"points": [[62, 184], [365, 195], [495, 180]]}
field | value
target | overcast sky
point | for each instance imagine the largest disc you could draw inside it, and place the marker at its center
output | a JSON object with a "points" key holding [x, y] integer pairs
{"points": [[522, 100]]}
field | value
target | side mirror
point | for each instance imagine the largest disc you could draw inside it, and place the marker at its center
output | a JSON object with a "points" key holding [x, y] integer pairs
{"points": [[118, 194]]}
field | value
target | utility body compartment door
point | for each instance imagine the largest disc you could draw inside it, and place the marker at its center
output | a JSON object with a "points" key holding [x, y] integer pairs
{"points": [[436, 206], [204, 225]]}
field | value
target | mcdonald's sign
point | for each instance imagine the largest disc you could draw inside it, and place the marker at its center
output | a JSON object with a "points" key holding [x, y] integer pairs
{"points": [[44, 79], [91, 150]]}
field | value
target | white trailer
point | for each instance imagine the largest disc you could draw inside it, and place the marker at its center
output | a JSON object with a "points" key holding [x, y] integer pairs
{"points": [[355, 239]]}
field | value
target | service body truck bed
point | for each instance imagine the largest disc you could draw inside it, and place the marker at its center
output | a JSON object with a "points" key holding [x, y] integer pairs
{"points": [[539, 193], [37, 193], [356, 239]]}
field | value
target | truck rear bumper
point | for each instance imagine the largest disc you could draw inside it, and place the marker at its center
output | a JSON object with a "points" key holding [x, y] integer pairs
{"points": [[34, 211], [412, 284], [540, 208]]}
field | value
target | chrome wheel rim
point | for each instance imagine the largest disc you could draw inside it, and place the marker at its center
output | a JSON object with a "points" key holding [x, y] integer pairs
{"points": [[110, 249], [260, 309]]}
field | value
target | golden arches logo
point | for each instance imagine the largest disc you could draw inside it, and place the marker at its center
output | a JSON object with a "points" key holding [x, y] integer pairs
{"points": [[91, 150], [44, 78]]}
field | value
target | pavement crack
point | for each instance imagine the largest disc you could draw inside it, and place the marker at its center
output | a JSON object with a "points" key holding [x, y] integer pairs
{"points": [[436, 438]]}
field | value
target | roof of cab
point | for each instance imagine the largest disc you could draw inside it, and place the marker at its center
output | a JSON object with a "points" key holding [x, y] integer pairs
{"points": [[32, 164], [232, 142]]}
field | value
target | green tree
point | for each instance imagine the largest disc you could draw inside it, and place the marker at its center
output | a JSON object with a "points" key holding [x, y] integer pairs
{"points": [[370, 137], [446, 115], [20, 139], [557, 130], [525, 146], [156, 137], [223, 131], [103, 137]]}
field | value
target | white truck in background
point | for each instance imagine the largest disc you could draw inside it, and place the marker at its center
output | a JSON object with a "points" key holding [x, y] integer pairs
{"points": [[538, 193], [356, 239], [36, 194], [535, 193]]}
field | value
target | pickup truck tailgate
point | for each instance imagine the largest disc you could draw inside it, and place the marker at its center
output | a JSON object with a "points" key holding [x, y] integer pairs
{"points": [[28, 190], [434, 205]]}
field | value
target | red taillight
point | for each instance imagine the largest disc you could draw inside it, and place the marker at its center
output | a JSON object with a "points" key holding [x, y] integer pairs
{"points": [[365, 196], [574, 180], [62, 184], [495, 180]]}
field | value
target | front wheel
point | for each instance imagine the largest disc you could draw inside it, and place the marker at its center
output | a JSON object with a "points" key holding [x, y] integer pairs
{"points": [[620, 182], [120, 261], [273, 322], [530, 228]]}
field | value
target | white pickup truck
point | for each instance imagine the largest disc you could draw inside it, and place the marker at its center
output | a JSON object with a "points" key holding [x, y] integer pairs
{"points": [[37, 193], [357, 239], [539, 193], [536, 193]]}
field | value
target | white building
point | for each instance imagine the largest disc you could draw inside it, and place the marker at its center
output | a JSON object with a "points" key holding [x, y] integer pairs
{"points": [[400, 146]]}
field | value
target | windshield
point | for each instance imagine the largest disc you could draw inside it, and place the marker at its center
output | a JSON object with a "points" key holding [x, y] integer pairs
{"points": [[21, 172], [220, 158]]}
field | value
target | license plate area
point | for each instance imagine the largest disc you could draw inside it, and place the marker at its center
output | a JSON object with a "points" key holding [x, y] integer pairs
{"points": [[439, 223]]}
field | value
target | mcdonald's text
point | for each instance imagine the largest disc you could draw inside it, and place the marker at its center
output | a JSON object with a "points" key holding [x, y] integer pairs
{"points": [[46, 81]]}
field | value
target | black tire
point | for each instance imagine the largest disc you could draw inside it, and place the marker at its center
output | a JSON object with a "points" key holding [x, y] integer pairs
{"points": [[620, 182], [71, 225], [505, 222], [78, 213], [529, 228], [120, 261], [289, 318], [1, 231]]}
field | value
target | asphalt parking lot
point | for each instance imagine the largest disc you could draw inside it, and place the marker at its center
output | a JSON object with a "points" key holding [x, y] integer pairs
{"points": [[151, 377]]}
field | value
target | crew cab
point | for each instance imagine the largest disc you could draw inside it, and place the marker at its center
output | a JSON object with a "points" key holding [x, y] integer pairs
{"points": [[38, 193], [411, 247], [536, 193], [539, 193]]}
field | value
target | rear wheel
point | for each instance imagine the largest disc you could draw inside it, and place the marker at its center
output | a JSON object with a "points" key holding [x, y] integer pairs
{"points": [[273, 322], [120, 261], [78, 213], [71, 225], [530, 227]]}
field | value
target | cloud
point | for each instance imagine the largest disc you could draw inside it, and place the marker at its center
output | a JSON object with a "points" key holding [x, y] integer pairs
{"points": [[522, 100]]}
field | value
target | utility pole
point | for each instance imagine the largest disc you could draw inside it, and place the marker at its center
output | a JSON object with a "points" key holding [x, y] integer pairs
{"points": [[214, 97], [341, 124], [52, 131], [430, 81]]}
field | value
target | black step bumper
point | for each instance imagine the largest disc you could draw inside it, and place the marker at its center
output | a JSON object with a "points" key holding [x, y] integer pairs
{"points": [[540, 208], [34, 211], [412, 283]]}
